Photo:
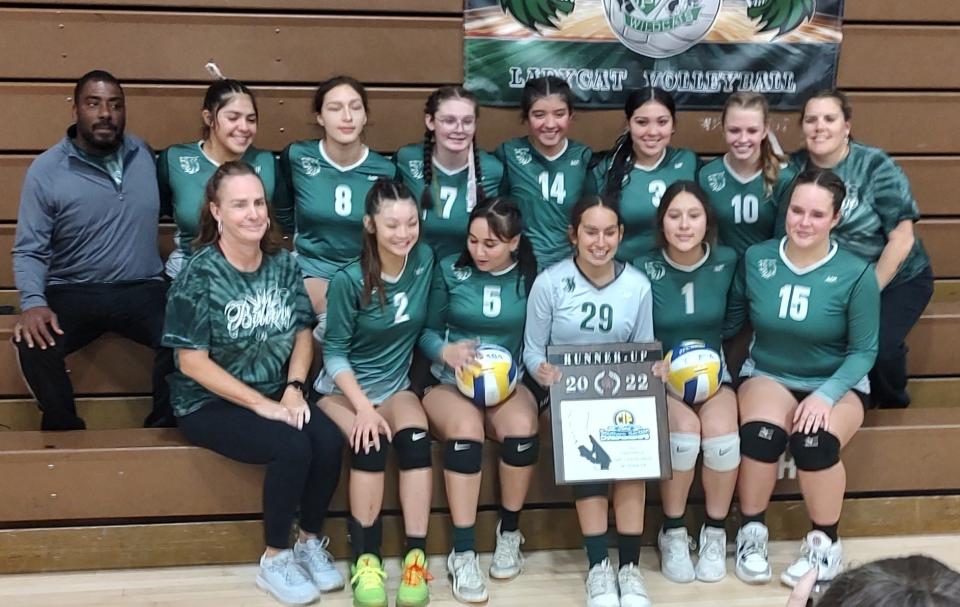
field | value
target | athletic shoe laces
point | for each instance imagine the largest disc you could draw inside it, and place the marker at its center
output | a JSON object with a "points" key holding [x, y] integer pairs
{"points": [[631, 581], [713, 546], [315, 552], [415, 574], [678, 549], [508, 548], [368, 575], [600, 579], [292, 573], [468, 571], [753, 544]]}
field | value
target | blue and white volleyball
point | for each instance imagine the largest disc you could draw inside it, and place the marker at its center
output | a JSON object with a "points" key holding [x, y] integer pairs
{"points": [[695, 371], [492, 379]]}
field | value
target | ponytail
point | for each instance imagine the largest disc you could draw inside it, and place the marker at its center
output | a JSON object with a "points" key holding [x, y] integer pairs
{"points": [[620, 167], [771, 157], [385, 189]]}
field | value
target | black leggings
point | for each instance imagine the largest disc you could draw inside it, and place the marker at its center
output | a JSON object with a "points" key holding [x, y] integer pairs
{"points": [[303, 466]]}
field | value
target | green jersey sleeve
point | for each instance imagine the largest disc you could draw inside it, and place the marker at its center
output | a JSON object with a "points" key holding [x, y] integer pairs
{"points": [[863, 330], [343, 304]]}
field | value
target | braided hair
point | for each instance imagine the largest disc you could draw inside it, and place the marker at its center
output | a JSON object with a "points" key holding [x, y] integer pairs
{"points": [[383, 189], [475, 193], [623, 156]]}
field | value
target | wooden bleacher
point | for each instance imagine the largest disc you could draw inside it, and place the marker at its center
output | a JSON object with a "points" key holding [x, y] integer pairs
{"points": [[120, 496]]}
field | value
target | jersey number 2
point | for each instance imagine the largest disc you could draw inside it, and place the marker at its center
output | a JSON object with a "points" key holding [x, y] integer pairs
{"points": [[400, 302], [794, 301]]}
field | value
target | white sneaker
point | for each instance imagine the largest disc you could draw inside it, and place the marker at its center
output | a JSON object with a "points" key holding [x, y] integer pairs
{"points": [[602, 586], [285, 579], [816, 551], [507, 560], [753, 565], [468, 584], [675, 562], [312, 555], [712, 564], [633, 592]]}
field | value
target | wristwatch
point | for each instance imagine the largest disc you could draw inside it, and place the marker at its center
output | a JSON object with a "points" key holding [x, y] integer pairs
{"points": [[299, 385]]}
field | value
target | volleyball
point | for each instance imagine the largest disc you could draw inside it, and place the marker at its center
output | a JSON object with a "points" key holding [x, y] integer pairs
{"points": [[695, 371], [492, 379], [660, 28]]}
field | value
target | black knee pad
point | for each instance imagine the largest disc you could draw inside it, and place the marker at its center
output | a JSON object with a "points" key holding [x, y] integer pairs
{"points": [[413, 448], [813, 452], [762, 441], [463, 456], [374, 461], [520, 451]]}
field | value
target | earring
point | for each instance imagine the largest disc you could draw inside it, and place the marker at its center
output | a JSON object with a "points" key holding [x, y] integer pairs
{"points": [[219, 227]]}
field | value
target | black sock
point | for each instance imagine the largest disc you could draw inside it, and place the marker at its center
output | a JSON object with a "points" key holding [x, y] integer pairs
{"points": [[365, 540], [628, 546], [509, 519], [830, 530], [414, 542], [670, 522], [760, 517], [463, 538], [719, 523], [596, 547]]}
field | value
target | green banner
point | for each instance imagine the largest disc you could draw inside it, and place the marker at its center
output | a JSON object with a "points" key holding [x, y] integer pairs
{"points": [[699, 50]]}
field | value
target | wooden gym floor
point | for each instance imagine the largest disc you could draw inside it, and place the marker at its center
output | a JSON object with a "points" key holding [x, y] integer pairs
{"points": [[552, 577]]}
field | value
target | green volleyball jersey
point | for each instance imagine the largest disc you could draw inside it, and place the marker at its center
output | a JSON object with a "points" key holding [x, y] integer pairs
{"points": [[546, 188], [466, 303], [323, 203], [815, 329], [246, 321], [690, 302], [375, 341], [182, 174], [746, 213], [878, 198], [444, 227], [642, 189]]}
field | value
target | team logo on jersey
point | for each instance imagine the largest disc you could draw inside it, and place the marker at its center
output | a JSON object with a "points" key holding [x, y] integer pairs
{"points": [[568, 284], [719, 267], [190, 164], [575, 162], [654, 270], [832, 279], [678, 165], [266, 311], [463, 273], [523, 156], [717, 181], [311, 166], [420, 270], [852, 201], [768, 268], [416, 169]]}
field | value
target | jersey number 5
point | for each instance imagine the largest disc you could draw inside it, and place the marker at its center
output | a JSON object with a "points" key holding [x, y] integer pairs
{"points": [[605, 317], [794, 301], [491, 301]]}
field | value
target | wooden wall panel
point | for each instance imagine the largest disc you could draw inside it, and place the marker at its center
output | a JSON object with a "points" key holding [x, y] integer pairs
{"points": [[943, 11], [886, 57], [901, 123], [265, 48], [940, 238], [452, 7]]}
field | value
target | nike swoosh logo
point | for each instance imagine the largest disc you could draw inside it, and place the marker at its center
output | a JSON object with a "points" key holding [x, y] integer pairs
{"points": [[523, 447], [460, 446], [722, 452], [418, 435]]}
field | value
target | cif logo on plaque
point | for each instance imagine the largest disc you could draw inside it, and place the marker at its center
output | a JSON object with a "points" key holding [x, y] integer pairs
{"points": [[660, 28], [608, 414]]}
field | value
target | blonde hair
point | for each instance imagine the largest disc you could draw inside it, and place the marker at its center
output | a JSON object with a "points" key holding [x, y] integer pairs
{"points": [[770, 158]]}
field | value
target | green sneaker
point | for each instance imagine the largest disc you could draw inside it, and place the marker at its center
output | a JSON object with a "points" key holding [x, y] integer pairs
{"points": [[367, 579], [413, 591]]}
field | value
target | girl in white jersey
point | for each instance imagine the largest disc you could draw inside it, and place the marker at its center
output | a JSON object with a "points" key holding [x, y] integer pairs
{"points": [[593, 299]]}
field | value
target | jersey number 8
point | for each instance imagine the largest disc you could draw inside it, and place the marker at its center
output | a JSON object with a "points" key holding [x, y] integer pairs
{"points": [[343, 200]]}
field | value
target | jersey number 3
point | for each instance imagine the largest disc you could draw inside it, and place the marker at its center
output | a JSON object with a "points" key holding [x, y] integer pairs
{"points": [[604, 317]]}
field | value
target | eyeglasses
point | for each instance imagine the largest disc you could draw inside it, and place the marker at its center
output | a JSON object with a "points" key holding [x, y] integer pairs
{"points": [[451, 122]]}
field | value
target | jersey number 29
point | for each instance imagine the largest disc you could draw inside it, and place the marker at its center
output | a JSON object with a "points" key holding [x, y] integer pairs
{"points": [[605, 317]]}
